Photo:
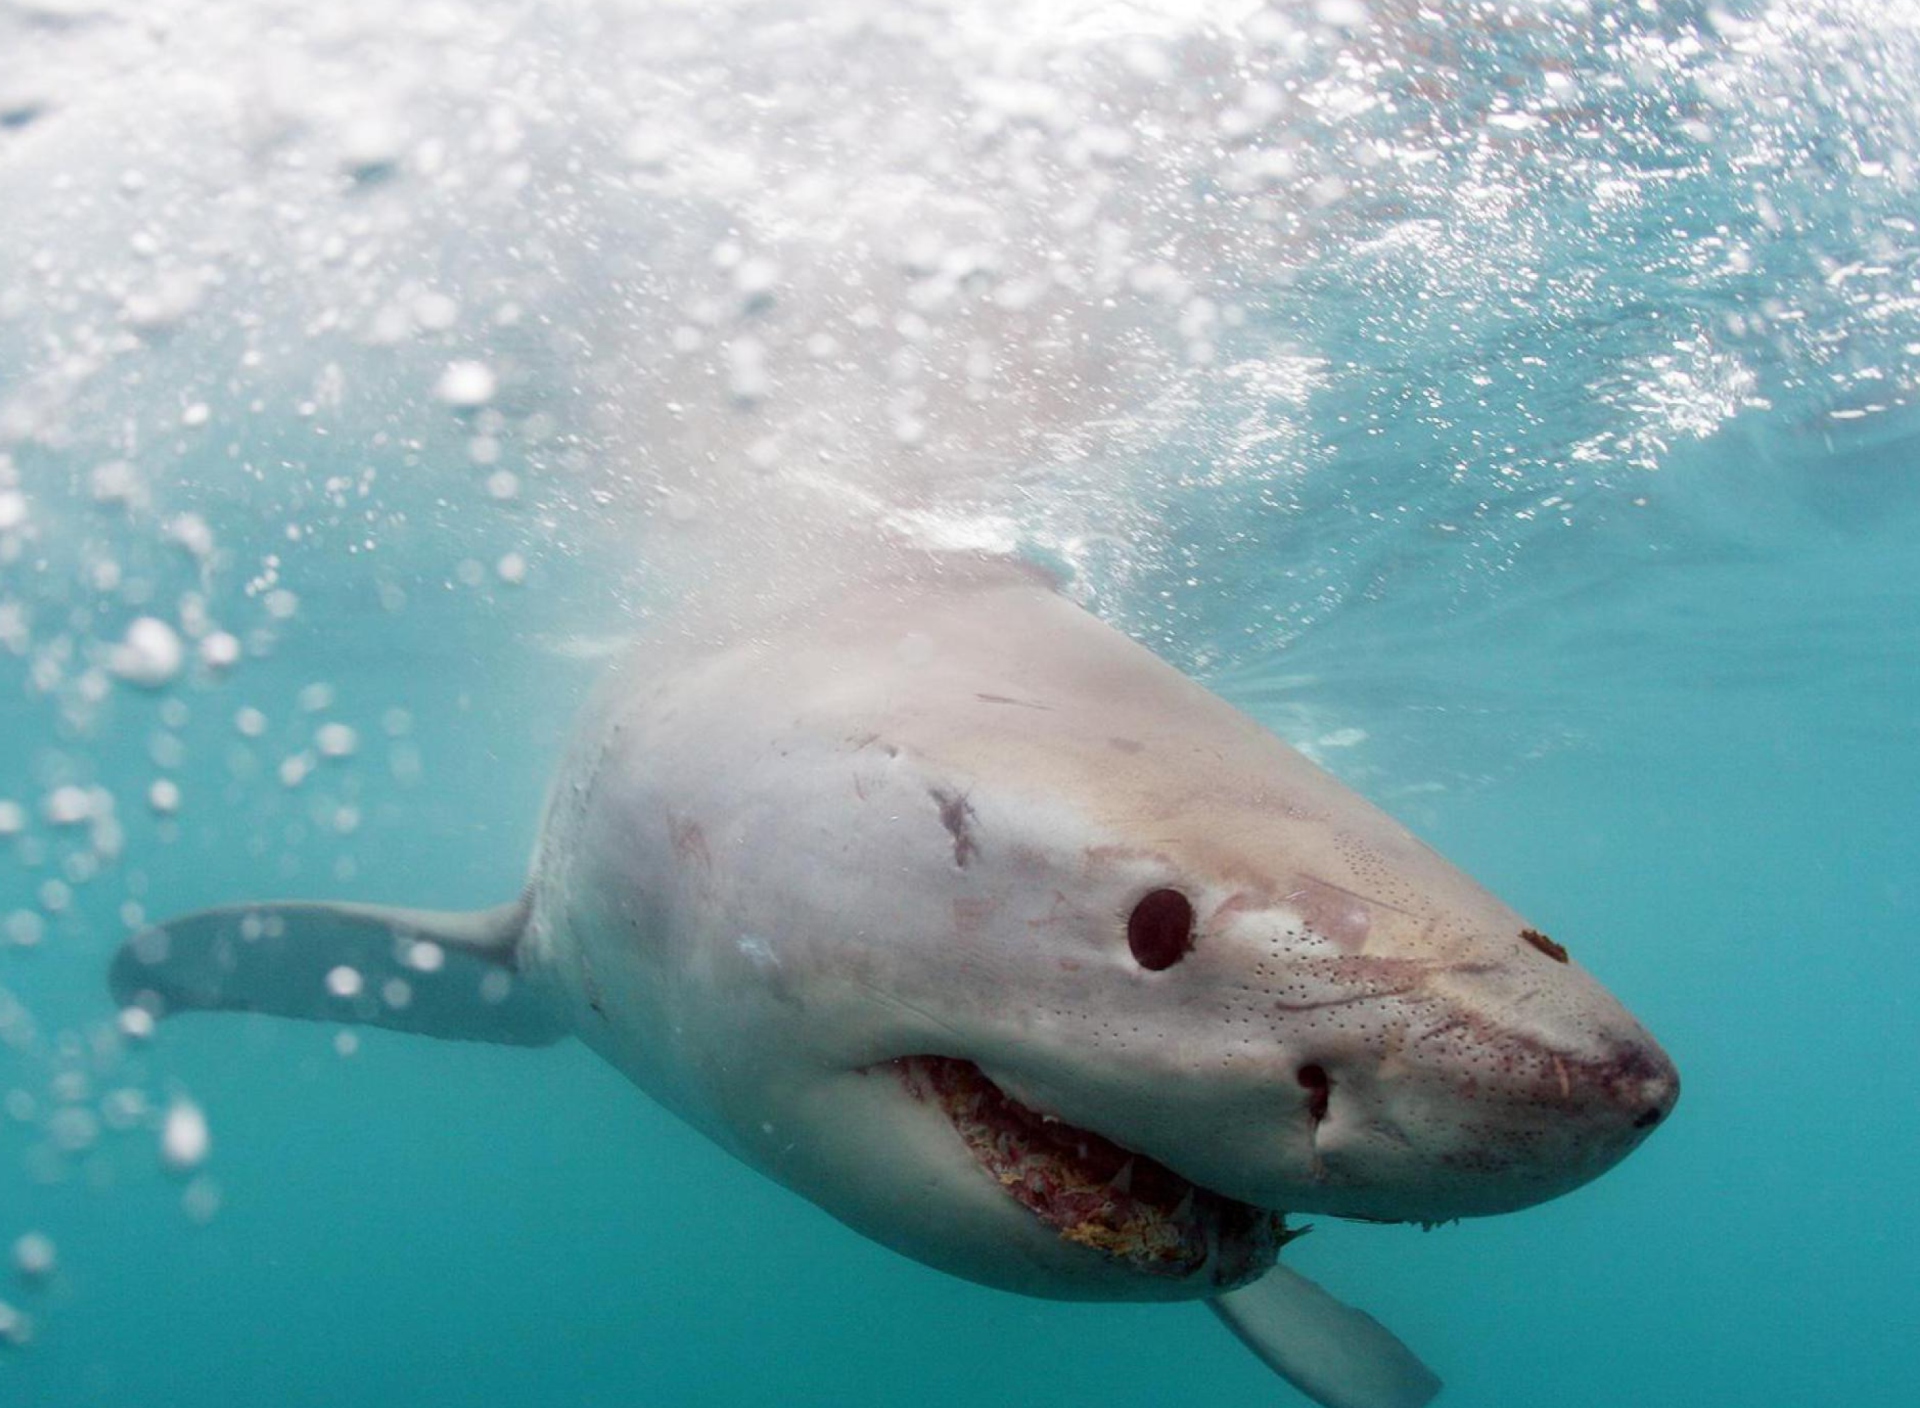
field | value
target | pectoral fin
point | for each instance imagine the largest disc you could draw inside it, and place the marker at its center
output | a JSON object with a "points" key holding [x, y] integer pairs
{"points": [[437, 973], [1337, 1356]]}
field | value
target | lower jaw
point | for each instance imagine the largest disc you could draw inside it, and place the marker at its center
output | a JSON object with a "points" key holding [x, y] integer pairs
{"points": [[1091, 1191]]}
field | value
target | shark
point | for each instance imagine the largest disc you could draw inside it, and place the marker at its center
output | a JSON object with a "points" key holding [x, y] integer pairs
{"points": [[968, 918]]}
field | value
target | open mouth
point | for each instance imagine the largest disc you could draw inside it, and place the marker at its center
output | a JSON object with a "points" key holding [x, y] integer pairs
{"points": [[1092, 1191]]}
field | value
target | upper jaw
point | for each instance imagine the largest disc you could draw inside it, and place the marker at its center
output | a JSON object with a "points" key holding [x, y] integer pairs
{"points": [[1387, 1142], [1521, 1117]]}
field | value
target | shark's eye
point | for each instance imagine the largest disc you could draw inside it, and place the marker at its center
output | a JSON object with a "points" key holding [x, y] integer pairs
{"points": [[1160, 929]]}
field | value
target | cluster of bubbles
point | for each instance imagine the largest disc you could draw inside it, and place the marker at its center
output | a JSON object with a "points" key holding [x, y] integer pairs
{"points": [[94, 834], [34, 1261], [1068, 282]]}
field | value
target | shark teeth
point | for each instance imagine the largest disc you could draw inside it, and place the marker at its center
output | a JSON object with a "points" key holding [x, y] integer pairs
{"points": [[1092, 1191]]}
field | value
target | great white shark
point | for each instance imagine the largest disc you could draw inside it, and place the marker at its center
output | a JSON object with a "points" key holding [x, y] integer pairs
{"points": [[961, 914]]}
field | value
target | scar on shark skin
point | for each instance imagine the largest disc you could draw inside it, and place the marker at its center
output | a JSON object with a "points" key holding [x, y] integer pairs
{"points": [[1016, 703], [957, 815], [1557, 952]]}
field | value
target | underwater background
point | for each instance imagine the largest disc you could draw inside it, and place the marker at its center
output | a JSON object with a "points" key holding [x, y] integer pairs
{"points": [[1510, 404]]}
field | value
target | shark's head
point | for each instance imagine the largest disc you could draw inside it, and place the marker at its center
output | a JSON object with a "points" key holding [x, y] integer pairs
{"points": [[1120, 966]]}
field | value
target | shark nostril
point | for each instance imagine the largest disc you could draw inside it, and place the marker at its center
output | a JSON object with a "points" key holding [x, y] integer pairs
{"points": [[1646, 1084], [1314, 1080]]}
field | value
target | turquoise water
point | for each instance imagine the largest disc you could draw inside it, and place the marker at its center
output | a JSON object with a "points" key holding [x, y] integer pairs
{"points": [[1522, 426]]}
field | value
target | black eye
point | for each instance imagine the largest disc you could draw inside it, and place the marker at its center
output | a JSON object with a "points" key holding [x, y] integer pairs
{"points": [[1160, 929]]}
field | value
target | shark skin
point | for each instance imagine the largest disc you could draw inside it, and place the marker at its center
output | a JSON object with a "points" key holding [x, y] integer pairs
{"points": [[951, 908]]}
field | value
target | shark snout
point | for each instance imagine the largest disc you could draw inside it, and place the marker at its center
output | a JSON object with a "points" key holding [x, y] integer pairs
{"points": [[1638, 1084], [1611, 1080], [1481, 1118], [1557, 1116]]}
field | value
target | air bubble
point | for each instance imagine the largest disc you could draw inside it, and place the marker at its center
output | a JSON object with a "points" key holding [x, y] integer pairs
{"points": [[466, 386], [200, 1200], [371, 146], [72, 1130], [336, 740], [747, 375], [34, 1257], [190, 531], [126, 1107], [184, 1138], [755, 278], [150, 655], [219, 650], [435, 312], [16, 1330], [23, 928], [67, 806], [165, 305]]}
